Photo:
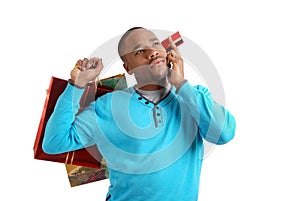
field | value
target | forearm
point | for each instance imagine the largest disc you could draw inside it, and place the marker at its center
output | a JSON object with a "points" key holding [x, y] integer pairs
{"points": [[60, 134], [216, 124]]}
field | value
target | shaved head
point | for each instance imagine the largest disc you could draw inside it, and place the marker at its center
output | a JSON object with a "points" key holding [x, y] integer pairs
{"points": [[122, 46]]}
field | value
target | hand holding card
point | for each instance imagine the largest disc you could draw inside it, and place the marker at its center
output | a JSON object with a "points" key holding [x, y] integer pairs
{"points": [[174, 59], [176, 37]]}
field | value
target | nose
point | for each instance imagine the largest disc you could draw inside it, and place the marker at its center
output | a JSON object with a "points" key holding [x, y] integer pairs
{"points": [[152, 53]]}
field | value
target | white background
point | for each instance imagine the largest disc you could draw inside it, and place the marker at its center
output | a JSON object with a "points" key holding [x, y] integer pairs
{"points": [[254, 45]]}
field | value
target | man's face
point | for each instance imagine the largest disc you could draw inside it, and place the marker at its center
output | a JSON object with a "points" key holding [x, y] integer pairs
{"points": [[144, 56]]}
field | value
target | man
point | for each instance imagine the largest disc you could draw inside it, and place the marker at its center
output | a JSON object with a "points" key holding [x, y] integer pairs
{"points": [[151, 135]]}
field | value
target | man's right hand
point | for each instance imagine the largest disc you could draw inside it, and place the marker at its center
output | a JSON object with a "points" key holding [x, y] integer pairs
{"points": [[86, 70]]}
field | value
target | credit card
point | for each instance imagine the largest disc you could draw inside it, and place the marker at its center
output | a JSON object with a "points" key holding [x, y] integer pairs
{"points": [[176, 37]]}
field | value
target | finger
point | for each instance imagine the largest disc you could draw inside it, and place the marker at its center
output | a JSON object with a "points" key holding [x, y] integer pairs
{"points": [[84, 64], [78, 64], [173, 52], [94, 62], [170, 59], [90, 64], [95, 71], [172, 44], [99, 65], [172, 55]]}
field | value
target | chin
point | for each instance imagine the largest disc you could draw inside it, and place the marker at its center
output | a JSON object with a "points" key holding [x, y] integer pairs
{"points": [[161, 76]]}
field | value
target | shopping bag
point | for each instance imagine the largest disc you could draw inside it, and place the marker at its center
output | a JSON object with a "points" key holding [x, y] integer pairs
{"points": [[79, 175], [89, 156]]}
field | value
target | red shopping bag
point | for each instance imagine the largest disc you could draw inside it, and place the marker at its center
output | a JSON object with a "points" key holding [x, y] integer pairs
{"points": [[90, 156]]}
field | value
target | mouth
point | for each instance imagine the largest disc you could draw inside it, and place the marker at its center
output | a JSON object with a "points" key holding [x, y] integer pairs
{"points": [[157, 62]]}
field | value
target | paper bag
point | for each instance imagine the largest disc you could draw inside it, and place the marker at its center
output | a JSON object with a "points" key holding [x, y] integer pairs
{"points": [[90, 156]]}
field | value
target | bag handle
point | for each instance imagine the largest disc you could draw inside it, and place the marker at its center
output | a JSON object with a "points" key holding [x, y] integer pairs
{"points": [[72, 158]]}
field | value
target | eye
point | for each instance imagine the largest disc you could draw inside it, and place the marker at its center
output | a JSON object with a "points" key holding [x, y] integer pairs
{"points": [[156, 43], [139, 51]]}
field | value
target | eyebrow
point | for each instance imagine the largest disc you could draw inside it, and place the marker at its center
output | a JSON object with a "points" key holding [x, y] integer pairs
{"points": [[140, 45]]}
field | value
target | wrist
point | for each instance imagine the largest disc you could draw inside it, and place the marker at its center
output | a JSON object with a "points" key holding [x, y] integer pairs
{"points": [[179, 84], [77, 83]]}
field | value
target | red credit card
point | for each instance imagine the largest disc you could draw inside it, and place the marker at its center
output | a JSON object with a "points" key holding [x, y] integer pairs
{"points": [[176, 37]]}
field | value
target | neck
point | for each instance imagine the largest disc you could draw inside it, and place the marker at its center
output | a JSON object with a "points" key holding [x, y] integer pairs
{"points": [[152, 86]]}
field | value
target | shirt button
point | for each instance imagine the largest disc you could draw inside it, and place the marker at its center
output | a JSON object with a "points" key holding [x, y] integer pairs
{"points": [[140, 98], [146, 102]]}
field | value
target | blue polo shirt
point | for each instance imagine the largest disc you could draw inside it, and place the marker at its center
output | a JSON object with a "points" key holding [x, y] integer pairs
{"points": [[153, 151]]}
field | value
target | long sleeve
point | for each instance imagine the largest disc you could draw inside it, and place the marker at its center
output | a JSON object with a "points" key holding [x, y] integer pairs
{"points": [[65, 131], [216, 123]]}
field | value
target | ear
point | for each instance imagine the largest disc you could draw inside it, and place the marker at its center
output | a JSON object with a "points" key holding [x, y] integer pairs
{"points": [[126, 67]]}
